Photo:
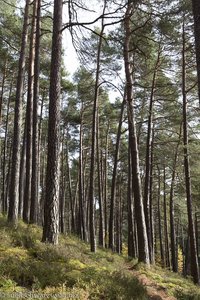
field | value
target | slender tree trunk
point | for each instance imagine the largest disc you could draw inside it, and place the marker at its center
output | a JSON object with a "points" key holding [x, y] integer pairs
{"points": [[197, 231], [94, 136], [182, 245], [193, 248], [35, 154], [29, 119], [151, 200], [105, 165], [118, 216], [100, 193], [187, 258], [130, 205], [71, 201], [40, 163], [8, 179], [143, 250], [3, 86], [22, 174], [171, 207], [5, 153], [42, 180], [62, 189], [167, 259], [196, 14], [81, 185], [114, 178], [159, 222], [148, 159], [14, 184], [101, 206], [51, 206]]}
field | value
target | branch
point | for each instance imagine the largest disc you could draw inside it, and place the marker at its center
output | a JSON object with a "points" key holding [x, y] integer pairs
{"points": [[71, 24], [103, 16], [4, 40], [12, 5], [191, 88]]}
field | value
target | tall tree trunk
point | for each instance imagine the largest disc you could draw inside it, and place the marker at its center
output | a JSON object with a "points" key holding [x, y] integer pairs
{"points": [[100, 193], [197, 231], [143, 251], [94, 136], [71, 201], [174, 258], [148, 158], [35, 154], [193, 248], [29, 119], [82, 230], [51, 206], [42, 174], [118, 216], [14, 184], [8, 179], [40, 163], [167, 259], [130, 208], [114, 179], [105, 166], [62, 188], [159, 221], [151, 200], [196, 14], [3, 86], [22, 174], [5, 153]]}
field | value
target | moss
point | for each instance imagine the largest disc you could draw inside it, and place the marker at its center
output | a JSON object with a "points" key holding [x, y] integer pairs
{"points": [[76, 264]]}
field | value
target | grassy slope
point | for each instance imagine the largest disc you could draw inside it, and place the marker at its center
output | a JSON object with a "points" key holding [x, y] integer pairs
{"points": [[70, 269]]}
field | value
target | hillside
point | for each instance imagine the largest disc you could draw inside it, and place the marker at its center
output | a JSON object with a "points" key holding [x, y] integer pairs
{"points": [[30, 269]]}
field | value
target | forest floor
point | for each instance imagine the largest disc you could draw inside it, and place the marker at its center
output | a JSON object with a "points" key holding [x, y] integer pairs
{"points": [[153, 289], [30, 269]]}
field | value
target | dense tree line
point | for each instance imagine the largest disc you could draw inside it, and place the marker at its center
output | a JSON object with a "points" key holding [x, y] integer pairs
{"points": [[121, 171]]}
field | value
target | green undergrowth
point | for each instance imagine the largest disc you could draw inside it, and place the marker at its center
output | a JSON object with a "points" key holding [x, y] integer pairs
{"points": [[30, 269], [174, 284]]}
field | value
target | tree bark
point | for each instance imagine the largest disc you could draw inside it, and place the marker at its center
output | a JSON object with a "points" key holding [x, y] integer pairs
{"points": [[14, 184], [22, 174], [100, 193], [35, 154], [51, 206], [62, 188], [29, 119], [143, 251], [196, 15], [82, 230], [159, 222], [167, 259], [151, 200], [148, 159], [94, 142], [105, 166], [3, 86], [130, 209], [193, 248], [174, 258], [114, 178], [5, 153]]}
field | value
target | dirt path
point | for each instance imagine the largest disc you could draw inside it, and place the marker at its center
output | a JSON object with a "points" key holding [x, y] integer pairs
{"points": [[154, 291]]}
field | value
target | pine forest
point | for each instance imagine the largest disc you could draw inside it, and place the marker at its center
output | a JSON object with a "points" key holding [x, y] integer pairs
{"points": [[107, 154]]}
